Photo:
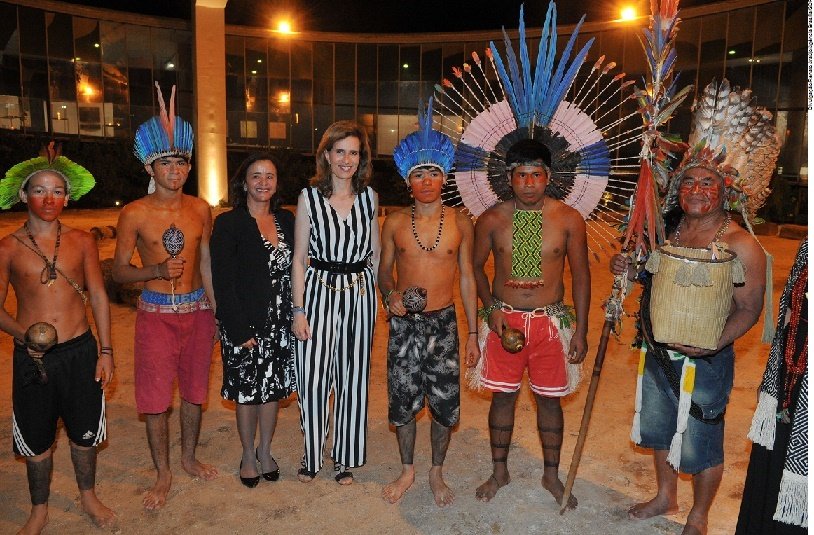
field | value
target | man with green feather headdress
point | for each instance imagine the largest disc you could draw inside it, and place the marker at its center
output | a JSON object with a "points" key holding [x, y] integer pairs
{"points": [[54, 270]]}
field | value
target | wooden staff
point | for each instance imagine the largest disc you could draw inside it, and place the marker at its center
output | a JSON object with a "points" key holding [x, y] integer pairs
{"points": [[586, 414], [613, 311]]}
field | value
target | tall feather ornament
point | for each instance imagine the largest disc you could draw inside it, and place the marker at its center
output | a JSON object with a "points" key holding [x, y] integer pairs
{"points": [[658, 100]]}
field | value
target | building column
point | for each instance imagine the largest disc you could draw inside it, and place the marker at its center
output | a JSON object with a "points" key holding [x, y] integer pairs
{"points": [[209, 91]]}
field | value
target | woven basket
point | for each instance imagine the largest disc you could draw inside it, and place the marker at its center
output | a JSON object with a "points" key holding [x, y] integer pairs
{"points": [[692, 294]]}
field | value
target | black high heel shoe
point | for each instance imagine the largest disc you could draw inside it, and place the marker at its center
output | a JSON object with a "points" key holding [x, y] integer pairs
{"points": [[274, 475], [250, 482]]}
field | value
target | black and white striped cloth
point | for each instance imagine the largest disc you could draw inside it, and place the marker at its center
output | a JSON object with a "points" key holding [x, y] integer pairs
{"points": [[341, 311], [792, 501]]}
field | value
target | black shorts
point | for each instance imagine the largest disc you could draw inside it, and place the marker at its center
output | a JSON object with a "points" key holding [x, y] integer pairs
{"points": [[71, 393], [423, 361]]}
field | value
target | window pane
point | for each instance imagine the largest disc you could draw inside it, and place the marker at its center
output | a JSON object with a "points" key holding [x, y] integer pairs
{"points": [[366, 63], [64, 119], [9, 60], [687, 50], [767, 50], [117, 121], [114, 43], [35, 77], [795, 57], [63, 79], [86, 43], [140, 72], [165, 59], [410, 64], [32, 40], [279, 93], [388, 63], [431, 63], [792, 127], [235, 68], [323, 86], [256, 79], [453, 56], [88, 82], [345, 81], [60, 35], [713, 49], [302, 72], [739, 39]]}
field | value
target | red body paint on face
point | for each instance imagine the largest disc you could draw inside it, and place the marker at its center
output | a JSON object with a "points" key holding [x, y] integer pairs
{"points": [[700, 191], [529, 183], [46, 195]]}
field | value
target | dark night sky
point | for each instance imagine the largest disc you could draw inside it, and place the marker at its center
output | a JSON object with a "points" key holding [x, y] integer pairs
{"points": [[389, 16]]}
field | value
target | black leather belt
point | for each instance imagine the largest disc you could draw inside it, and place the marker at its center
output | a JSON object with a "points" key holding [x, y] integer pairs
{"points": [[338, 267]]}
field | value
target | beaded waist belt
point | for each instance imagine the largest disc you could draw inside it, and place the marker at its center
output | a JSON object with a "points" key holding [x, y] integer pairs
{"points": [[151, 301], [341, 268], [554, 309]]}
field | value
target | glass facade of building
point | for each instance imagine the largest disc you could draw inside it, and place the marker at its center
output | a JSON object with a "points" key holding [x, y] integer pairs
{"points": [[65, 72]]}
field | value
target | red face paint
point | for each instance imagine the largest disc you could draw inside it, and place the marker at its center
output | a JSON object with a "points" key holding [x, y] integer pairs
{"points": [[46, 195], [529, 183], [426, 183], [700, 191]]}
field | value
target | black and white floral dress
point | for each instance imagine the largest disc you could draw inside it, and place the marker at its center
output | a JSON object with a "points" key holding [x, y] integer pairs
{"points": [[265, 372]]}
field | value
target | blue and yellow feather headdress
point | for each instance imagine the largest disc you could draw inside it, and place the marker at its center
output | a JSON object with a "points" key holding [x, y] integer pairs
{"points": [[163, 135], [425, 147]]}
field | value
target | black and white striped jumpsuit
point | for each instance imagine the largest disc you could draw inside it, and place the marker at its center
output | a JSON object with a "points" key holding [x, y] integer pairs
{"points": [[341, 310]]}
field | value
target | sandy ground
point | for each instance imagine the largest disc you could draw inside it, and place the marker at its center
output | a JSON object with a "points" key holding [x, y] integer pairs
{"points": [[613, 474]]}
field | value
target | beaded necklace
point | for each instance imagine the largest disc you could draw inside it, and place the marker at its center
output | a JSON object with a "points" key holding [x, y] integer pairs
{"points": [[49, 272], [415, 233], [718, 235]]}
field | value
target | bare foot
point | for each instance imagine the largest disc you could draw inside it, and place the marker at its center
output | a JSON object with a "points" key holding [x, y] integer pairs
{"points": [[443, 494], [490, 487], [696, 525], [102, 516], [392, 492], [156, 497], [196, 468], [557, 489], [655, 507], [36, 520]]}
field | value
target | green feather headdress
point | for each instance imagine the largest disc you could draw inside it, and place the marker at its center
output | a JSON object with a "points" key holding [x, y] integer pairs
{"points": [[78, 180]]}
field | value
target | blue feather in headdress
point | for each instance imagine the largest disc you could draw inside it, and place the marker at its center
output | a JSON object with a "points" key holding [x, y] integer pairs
{"points": [[534, 102], [424, 147], [163, 135]]}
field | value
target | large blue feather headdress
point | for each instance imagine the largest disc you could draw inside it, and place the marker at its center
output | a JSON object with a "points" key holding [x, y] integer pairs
{"points": [[424, 147], [534, 98], [163, 135]]}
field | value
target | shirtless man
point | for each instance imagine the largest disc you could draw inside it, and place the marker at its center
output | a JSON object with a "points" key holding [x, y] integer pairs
{"points": [[48, 264], [427, 242], [703, 220], [175, 323], [526, 294]]}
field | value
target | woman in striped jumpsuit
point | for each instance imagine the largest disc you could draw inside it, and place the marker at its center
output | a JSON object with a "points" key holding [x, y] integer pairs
{"points": [[335, 257]]}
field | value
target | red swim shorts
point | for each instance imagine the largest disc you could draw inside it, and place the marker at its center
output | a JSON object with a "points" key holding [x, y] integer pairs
{"points": [[172, 344], [543, 355]]}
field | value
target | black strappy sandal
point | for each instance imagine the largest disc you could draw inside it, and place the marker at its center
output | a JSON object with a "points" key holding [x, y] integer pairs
{"points": [[304, 472], [341, 474]]}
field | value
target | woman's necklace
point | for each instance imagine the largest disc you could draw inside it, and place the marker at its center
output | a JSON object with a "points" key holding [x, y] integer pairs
{"points": [[415, 234], [49, 272]]}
